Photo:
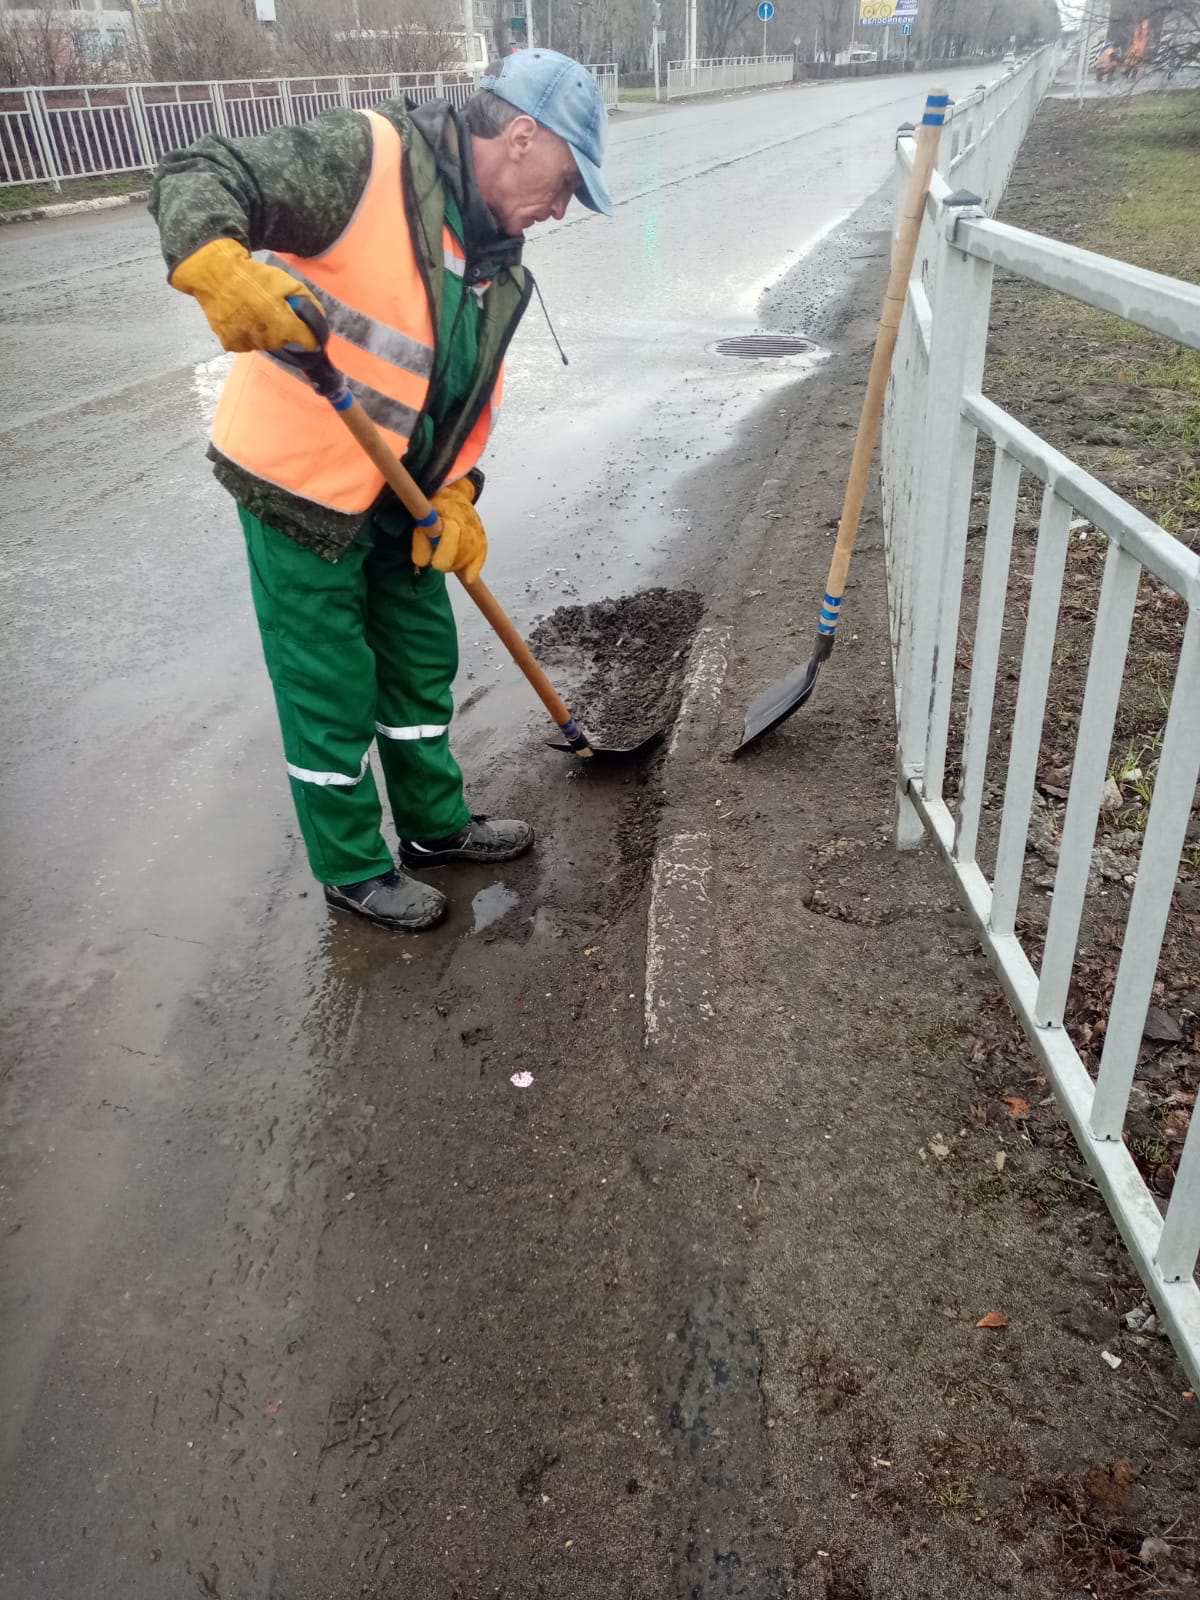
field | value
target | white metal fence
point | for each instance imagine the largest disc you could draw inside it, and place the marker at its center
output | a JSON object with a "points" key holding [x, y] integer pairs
{"points": [[937, 411], [727, 72], [986, 127], [50, 134]]}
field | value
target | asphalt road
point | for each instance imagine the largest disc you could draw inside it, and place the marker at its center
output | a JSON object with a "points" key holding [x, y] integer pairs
{"points": [[169, 976]]}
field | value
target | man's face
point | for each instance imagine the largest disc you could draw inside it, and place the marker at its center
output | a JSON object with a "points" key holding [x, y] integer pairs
{"points": [[530, 177]]}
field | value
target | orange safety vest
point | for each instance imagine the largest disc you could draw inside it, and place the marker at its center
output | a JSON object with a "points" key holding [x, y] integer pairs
{"points": [[270, 422]]}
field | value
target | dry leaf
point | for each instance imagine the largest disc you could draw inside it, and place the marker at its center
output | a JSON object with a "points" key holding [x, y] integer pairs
{"points": [[1176, 1125], [994, 1319], [1017, 1105], [999, 1159], [1110, 1486]]}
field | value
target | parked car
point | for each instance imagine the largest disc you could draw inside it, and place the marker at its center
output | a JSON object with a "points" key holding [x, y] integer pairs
{"points": [[1009, 59]]}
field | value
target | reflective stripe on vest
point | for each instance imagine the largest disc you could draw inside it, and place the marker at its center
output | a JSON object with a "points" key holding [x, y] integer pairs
{"points": [[369, 284]]}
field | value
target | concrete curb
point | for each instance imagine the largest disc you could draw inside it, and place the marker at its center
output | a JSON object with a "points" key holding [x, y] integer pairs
{"points": [[74, 208]]}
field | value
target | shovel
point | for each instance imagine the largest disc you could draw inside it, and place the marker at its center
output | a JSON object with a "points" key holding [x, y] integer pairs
{"points": [[329, 382], [778, 702]]}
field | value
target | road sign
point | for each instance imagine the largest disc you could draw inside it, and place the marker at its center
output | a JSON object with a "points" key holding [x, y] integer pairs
{"points": [[879, 13], [766, 11]]}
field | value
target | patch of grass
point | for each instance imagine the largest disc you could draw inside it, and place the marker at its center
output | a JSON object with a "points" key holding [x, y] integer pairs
{"points": [[1178, 506], [26, 196], [1123, 402], [1176, 370], [1151, 1149], [951, 1496]]}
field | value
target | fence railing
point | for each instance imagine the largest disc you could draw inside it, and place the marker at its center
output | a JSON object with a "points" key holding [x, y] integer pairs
{"points": [[727, 72], [49, 134], [986, 128], [937, 413]]}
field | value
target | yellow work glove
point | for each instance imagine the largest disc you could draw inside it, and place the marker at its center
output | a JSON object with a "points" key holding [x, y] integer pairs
{"points": [[463, 545], [244, 300]]}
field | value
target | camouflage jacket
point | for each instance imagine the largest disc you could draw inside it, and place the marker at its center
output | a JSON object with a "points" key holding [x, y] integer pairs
{"points": [[295, 189]]}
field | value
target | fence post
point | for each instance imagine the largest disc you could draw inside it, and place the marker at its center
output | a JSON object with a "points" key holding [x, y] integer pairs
{"points": [[959, 300], [1158, 865], [41, 128], [344, 92], [141, 125], [216, 95]]}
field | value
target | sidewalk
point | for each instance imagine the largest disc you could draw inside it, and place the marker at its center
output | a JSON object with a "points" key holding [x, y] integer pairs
{"points": [[821, 1022], [77, 196]]}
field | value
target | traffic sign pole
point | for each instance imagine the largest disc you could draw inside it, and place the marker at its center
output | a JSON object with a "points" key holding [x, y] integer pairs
{"points": [[766, 11]]}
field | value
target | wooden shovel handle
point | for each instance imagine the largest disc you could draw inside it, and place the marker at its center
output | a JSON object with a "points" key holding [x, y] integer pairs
{"points": [[408, 492], [903, 254]]}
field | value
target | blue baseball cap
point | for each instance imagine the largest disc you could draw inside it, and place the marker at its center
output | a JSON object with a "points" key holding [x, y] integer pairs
{"points": [[564, 97]]}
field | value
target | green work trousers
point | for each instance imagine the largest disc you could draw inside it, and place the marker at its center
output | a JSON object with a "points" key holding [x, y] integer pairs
{"points": [[361, 649]]}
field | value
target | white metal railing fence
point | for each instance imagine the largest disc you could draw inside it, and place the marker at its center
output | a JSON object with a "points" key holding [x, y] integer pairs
{"points": [[977, 153], [48, 134], [727, 72], [987, 126], [937, 412], [607, 76]]}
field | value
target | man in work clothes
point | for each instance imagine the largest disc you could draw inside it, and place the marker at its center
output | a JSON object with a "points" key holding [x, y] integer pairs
{"points": [[406, 226]]}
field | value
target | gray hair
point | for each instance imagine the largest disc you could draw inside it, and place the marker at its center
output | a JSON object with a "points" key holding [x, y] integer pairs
{"points": [[486, 114]]}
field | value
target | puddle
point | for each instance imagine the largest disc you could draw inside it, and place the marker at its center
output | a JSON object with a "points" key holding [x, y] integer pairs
{"points": [[492, 903]]}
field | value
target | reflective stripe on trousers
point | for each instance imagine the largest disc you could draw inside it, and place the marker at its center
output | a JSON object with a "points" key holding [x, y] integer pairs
{"points": [[359, 649], [338, 780], [422, 730]]}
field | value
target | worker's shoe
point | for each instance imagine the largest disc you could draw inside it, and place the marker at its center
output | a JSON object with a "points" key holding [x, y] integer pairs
{"points": [[392, 900], [483, 839]]}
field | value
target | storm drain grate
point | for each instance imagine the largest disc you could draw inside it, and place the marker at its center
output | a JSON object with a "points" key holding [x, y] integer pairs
{"points": [[751, 345]]}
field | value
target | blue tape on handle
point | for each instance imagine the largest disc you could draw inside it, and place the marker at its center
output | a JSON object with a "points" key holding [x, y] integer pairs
{"points": [[342, 401], [828, 620], [933, 119], [937, 100], [430, 521], [571, 729]]}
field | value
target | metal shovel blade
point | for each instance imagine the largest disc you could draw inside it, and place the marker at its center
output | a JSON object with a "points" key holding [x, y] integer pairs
{"points": [[608, 755], [776, 704]]}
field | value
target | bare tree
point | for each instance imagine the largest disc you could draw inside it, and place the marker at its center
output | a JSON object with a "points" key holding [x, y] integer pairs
{"points": [[598, 30], [724, 26], [369, 36], [45, 45], [192, 40]]}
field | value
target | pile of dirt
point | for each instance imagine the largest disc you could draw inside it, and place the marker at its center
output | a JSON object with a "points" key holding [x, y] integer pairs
{"points": [[633, 651]]}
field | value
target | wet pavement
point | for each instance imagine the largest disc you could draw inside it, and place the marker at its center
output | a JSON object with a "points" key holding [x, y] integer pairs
{"points": [[183, 1127]]}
